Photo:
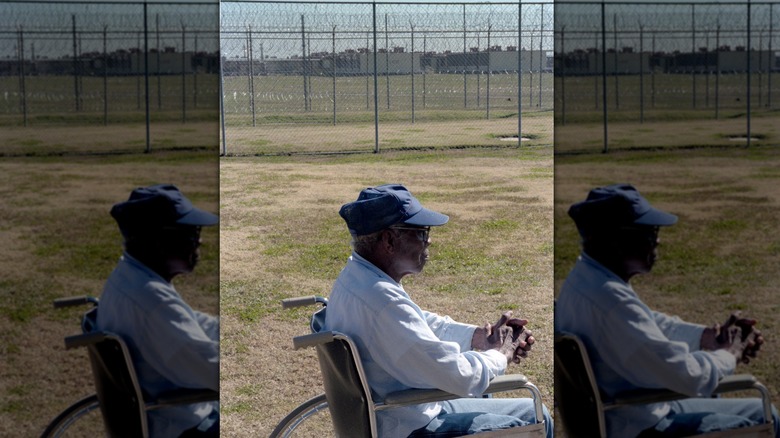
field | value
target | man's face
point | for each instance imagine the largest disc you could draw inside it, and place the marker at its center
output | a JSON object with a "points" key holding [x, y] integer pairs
{"points": [[640, 248], [412, 249], [184, 248]]}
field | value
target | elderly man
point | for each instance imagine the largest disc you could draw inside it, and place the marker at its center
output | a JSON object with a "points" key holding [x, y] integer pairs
{"points": [[403, 346], [632, 346], [172, 345]]}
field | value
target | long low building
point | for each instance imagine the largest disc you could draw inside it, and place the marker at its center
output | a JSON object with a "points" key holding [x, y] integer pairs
{"points": [[630, 63], [393, 63]]}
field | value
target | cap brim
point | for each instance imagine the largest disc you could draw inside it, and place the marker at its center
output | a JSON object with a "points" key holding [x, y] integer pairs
{"points": [[198, 217], [427, 218], [655, 217]]}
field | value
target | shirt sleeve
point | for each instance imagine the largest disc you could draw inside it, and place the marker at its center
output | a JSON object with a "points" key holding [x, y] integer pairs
{"points": [[676, 329], [209, 324], [179, 349], [637, 348], [407, 348], [447, 329]]}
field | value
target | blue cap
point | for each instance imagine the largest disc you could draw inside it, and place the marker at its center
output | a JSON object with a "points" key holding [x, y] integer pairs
{"points": [[377, 208], [615, 206], [158, 206]]}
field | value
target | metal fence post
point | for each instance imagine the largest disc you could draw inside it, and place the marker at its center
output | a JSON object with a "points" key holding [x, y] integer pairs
{"points": [[159, 75], [222, 105], [465, 86], [105, 77], [562, 67], [604, 72], [541, 53], [519, 73], [489, 73], [183, 74], [531, 73], [615, 73], [250, 55], [376, 87], [749, 71], [387, 62], [76, 91], [146, 78], [412, 63], [693, 54], [22, 85], [334, 75], [641, 75], [305, 65], [717, 72]]}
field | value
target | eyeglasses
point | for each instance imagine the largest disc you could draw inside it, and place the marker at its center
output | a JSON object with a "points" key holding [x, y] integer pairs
{"points": [[643, 232], [423, 233], [190, 234]]}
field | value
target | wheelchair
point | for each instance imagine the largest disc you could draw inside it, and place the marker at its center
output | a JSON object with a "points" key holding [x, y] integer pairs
{"points": [[348, 399], [582, 406], [119, 406]]}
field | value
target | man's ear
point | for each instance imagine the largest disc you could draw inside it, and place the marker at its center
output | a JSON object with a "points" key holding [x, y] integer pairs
{"points": [[388, 241]]}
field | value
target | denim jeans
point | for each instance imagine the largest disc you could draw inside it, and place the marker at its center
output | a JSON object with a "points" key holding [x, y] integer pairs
{"points": [[472, 415], [700, 415]]}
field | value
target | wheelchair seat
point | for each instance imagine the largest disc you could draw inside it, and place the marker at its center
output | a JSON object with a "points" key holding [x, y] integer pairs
{"points": [[352, 405], [123, 404], [582, 406]]}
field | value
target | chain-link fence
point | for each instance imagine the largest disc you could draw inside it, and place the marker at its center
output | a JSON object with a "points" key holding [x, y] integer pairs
{"points": [[644, 63], [99, 64], [343, 77]]}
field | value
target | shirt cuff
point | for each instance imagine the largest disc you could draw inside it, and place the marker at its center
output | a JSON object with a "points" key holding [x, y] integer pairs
{"points": [[496, 362]]}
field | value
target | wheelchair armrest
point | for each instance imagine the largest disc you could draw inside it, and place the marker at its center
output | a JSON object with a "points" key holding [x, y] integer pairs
{"points": [[84, 340], [416, 396], [737, 382], [312, 340], [183, 396]]}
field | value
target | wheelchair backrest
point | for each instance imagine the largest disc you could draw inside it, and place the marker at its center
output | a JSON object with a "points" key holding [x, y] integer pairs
{"points": [[345, 387], [116, 384], [576, 392]]}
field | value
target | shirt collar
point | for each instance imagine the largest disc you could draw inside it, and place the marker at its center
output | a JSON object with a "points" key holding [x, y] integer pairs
{"points": [[585, 258], [357, 258], [137, 264]]}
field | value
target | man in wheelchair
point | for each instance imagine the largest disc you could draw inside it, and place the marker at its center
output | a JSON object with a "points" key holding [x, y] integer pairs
{"points": [[403, 346], [172, 345], [632, 346]]}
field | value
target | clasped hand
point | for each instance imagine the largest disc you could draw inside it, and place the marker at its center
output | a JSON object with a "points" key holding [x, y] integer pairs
{"points": [[737, 335], [508, 335]]}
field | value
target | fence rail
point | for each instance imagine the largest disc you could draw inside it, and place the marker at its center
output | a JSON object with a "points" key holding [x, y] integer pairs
{"points": [[348, 64]]}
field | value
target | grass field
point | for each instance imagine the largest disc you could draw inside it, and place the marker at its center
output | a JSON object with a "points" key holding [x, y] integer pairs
{"points": [[278, 96], [76, 139], [48, 97], [281, 236], [724, 252], [59, 240], [393, 136], [665, 93]]}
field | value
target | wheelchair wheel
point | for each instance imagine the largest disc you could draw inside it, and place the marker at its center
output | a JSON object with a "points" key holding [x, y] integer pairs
{"points": [[311, 418], [80, 419]]}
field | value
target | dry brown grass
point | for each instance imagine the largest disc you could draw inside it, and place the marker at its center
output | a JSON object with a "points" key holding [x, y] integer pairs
{"points": [[684, 132], [392, 135], [724, 252], [58, 240], [111, 139], [281, 236]]}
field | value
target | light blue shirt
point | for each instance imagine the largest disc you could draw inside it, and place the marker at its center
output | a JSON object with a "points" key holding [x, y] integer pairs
{"points": [[632, 346], [403, 346], [172, 346]]}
